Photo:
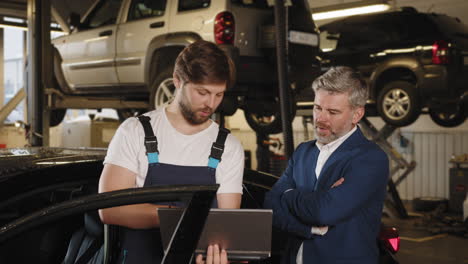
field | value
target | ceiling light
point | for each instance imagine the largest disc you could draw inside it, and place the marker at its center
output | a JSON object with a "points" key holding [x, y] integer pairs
{"points": [[350, 9]]}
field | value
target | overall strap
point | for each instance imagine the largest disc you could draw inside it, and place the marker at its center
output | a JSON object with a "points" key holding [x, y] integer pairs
{"points": [[151, 142], [217, 148]]}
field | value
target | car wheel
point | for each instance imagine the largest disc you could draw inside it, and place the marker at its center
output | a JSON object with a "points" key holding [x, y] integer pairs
{"points": [[446, 119], [162, 89], [56, 116], [398, 103], [264, 123], [123, 114], [268, 120]]}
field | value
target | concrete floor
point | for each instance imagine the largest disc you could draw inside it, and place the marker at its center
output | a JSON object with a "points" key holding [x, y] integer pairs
{"points": [[424, 241]]}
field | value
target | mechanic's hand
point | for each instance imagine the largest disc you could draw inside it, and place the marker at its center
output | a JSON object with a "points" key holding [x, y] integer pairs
{"points": [[338, 182], [213, 256]]}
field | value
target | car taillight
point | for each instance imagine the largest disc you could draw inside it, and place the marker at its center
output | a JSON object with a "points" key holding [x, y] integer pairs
{"points": [[390, 239], [440, 52], [224, 28]]}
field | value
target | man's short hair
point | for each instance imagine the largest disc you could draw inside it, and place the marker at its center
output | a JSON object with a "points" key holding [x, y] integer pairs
{"points": [[203, 62], [342, 79]]}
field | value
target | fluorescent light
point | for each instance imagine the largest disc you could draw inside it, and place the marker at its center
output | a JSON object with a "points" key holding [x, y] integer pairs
{"points": [[25, 28], [18, 23], [14, 20], [15, 27], [351, 11]]}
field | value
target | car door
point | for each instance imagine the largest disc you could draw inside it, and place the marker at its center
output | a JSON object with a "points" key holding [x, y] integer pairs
{"points": [[89, 60], [144, 20]]}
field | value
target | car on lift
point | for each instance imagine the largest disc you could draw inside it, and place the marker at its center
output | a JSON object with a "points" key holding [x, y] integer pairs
{"points": [[48, 202], [412, 61], [127, 48]]}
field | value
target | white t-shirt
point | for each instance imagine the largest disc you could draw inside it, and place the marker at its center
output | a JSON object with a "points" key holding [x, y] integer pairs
{"points": [[127, 150]]}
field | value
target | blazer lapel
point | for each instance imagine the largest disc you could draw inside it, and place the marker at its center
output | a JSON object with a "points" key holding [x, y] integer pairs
{"points": [[307, 178], [339, 154]]}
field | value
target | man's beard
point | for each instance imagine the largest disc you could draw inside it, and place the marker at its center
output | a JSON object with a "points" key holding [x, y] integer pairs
{"points": [[190, 115], [325, 139]]}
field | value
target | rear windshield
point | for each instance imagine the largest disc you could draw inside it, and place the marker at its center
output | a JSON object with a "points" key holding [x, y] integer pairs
{"points": [[262, 4], [451, 26]]}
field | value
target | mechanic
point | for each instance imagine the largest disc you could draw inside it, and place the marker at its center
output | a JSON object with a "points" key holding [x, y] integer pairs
{"points": [[330, 197], [185, 148]]}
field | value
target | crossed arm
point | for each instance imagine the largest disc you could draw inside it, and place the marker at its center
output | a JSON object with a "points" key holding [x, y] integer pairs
{"points": [[365, 179]]}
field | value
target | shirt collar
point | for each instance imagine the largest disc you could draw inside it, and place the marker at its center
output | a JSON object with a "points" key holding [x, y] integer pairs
{"points": [[332, 146]]}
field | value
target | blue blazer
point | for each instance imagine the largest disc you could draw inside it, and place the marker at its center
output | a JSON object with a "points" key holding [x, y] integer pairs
{"points": [[352, 210]]}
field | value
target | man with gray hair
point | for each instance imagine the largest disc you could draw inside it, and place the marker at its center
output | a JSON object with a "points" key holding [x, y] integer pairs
{"points": [[330, 197]]}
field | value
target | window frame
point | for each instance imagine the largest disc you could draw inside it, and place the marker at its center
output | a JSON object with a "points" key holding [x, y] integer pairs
{"points": [[132, 7]]}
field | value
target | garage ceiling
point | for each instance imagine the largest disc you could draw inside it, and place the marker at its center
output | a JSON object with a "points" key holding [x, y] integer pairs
{"points": [[457, 8], [17, 8]]}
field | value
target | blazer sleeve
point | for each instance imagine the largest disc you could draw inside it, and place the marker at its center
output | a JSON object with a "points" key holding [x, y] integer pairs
{"points": [[365, 177], [282, 218]]}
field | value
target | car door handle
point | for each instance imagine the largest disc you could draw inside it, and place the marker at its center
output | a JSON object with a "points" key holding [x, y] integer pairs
{"points": [[105, 33], [157, 24]]}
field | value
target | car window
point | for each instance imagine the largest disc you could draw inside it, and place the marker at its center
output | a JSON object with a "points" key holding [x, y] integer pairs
{"points": [[363, 35], [105, 14], [146, 8], [186, 5], [416, 27], [252, 3], [328, 40], [451, 26]]}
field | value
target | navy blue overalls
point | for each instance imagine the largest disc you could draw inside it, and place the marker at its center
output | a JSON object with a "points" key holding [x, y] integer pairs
{"points": [[144, 245]]}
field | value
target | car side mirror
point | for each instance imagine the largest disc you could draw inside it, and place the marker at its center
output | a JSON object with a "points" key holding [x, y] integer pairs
{"points": [[74, 20]]}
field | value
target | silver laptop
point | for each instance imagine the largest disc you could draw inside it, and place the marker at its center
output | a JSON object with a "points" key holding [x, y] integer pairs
{"points": [[244, 233]]}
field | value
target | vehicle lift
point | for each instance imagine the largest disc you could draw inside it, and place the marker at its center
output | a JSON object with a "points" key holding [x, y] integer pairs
{"points": [[380, 138]]}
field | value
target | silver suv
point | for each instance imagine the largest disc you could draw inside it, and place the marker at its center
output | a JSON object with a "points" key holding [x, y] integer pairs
{"points": [[127, 48]]}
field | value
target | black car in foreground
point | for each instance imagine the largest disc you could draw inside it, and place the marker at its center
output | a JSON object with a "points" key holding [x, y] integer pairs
{"points": [[49, 202], [411, 60]]}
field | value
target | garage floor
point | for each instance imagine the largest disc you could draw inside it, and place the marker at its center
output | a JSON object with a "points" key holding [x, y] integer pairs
{"points": [[424, 241]]}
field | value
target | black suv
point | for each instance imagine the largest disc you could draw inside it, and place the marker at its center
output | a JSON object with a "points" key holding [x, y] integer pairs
{"points": [[412, 60]]}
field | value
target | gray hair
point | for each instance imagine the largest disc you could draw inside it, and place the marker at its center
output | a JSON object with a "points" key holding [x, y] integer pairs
{"points": [[342, 79]]}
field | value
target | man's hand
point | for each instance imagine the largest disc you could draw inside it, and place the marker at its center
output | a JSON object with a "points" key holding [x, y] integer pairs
{"points": [[213, 256], [338, 182]]}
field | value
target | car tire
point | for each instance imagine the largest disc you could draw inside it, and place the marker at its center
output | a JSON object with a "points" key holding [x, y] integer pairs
{"points": [[448, 119], [269, 121], [426, 204], [398, 103], [125, 113], [162, 88], [264, 124], [56, 116]]}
